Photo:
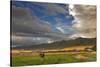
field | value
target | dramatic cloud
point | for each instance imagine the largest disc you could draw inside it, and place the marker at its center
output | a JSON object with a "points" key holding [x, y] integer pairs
{"points": [[23, 21], [85, 20], [35, 23]]}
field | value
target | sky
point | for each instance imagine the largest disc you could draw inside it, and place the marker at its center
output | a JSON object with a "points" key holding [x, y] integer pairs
{"points": [[35, 23]]}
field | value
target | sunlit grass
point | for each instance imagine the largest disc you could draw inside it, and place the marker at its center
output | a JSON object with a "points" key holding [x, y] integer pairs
{"points": [[52, 59]]}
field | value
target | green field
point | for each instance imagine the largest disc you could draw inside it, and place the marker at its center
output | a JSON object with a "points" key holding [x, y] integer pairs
{"points": [[52, 59]]}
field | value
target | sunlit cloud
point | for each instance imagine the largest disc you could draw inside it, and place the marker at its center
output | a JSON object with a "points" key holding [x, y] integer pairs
{"points": [[85, 20], [60, 29]]}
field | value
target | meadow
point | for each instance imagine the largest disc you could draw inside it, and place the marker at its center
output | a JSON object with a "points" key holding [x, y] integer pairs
{"points": [[53, 58]]}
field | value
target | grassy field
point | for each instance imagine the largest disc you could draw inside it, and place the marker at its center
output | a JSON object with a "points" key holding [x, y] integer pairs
{"points": [[53, 59]]}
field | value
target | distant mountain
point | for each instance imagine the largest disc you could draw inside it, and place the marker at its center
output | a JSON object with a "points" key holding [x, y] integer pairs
{"points": [[61, 44]]}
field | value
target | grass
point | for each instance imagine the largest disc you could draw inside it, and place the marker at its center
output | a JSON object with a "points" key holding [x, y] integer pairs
{"points": [[52, 59]]}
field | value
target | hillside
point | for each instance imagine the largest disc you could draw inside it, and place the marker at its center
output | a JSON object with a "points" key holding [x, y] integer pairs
{"points": [[62, 44]]}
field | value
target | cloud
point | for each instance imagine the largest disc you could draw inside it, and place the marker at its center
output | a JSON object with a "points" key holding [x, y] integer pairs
{"points": [[55, 9], [85, 20], [64, 28], [23, 21], [43, 38], [25, 40], [22, 39], [29, 28], [52, 8], [61, 29]]}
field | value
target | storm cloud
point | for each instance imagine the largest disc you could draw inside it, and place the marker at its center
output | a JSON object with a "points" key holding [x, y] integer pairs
{"points": [[85, 20], [34, 23], [29, 29], [22, 21]]}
